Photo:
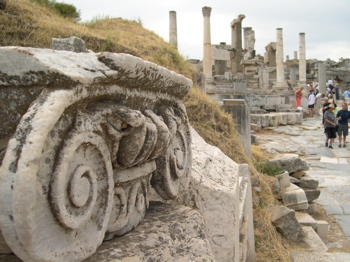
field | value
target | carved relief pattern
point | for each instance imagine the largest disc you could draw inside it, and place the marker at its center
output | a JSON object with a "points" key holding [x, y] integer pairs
{"points": [[139, 144], [176, 161], [79, 166]]}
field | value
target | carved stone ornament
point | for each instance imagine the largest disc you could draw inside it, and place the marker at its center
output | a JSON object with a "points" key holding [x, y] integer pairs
{"points": [[78, 167]]}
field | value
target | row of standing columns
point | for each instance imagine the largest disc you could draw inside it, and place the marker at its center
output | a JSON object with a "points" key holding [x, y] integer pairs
{"points": [[237, 56]]}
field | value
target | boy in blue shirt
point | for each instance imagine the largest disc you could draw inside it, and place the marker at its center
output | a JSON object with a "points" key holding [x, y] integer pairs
{"points": [[343, 117]]}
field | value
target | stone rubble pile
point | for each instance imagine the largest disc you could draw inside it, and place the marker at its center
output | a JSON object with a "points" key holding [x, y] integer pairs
{"points": [[297, 191]]}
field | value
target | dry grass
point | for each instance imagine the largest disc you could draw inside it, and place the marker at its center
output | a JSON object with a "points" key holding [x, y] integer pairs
{"points": [[23, 23], [215, 126]]}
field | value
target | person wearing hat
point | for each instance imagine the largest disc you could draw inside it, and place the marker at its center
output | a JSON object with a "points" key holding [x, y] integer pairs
{"points": [[298, 94], [325, 107], [311, 98], [330, 124]]}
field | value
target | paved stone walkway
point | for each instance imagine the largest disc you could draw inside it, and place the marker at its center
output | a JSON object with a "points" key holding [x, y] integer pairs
{"points": [[330, 166]]}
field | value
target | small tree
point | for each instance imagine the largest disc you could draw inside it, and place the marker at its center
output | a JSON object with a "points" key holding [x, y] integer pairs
{"points": [[67, 11], [62, 9]]}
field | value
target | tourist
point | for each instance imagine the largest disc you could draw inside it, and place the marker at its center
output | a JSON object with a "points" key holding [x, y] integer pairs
{"points": [[330, 124], [330, 83], [317, 89], [325, 106], [311, 98], [347, 95], [298, 94], [337, 92], [343, 117], [319, 101]]}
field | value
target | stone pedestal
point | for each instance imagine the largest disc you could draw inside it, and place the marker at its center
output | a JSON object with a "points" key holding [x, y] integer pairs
{"points": [[281, 82], [322, 77], [207, 51], [236, 43], [172, 28], [302, 60], [241, 114]]}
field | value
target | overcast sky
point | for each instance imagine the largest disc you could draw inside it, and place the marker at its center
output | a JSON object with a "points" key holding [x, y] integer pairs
{"points": [[326, 23]]}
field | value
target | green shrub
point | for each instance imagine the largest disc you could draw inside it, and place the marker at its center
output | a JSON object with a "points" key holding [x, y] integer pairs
{"points": [[64, 10], [67, 11], [264, 167]]}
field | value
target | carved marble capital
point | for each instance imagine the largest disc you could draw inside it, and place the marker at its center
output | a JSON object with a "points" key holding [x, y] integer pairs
{"points": [[79, 166], [206, 11]]}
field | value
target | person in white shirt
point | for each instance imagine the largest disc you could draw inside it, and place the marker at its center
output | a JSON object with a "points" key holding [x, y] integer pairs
{"points": [[330, 83], [311, 98]]}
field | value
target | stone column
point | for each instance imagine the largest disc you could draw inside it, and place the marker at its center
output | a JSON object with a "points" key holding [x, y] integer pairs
{"points": [[281, 82], [322, 77], [236, 43], [207, 52], [295, 55], [293, 75], [302, 60], [172, 28]]}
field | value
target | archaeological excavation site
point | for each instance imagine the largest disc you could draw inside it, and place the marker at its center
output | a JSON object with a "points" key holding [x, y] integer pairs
{"points": [[114, 151]]}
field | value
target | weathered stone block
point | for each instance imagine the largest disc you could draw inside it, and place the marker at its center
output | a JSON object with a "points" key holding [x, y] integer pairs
{"points": [[294, 197], [283, 179], [305, 219], [284, 220], [313, 209], [294, 180], [298, 174], [308, 182], [312, 256], [289, 162], [73, 43], [168, 233], [312, 194], [313, 241], [322, 230], [215, 189]]}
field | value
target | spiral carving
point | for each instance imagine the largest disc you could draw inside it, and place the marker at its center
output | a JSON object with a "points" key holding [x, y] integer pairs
{"points": [[77, 180], [130, 201], [176, 162]]}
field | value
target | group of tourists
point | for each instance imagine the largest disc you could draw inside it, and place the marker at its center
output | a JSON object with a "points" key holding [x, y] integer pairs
{"points": [[334, 124]]}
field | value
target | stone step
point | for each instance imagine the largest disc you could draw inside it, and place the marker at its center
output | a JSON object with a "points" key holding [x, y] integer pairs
{"points": [[319, 257], [305, 219], [312, 256], [313, 240]]}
